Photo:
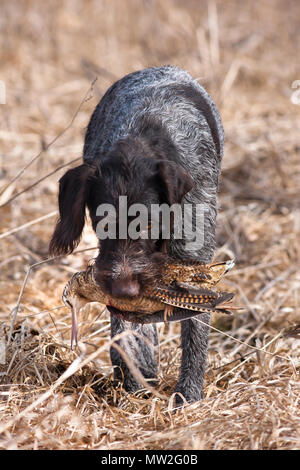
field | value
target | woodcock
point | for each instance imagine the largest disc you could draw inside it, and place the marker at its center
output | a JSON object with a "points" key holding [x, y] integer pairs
{"points": [[184, 284]]}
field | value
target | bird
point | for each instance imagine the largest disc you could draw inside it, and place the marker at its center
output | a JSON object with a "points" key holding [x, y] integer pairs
{"points": [[187, 285], [194, 273]]}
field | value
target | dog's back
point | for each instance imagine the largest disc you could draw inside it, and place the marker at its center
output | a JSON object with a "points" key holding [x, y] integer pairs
{"points": [[164, 92]]}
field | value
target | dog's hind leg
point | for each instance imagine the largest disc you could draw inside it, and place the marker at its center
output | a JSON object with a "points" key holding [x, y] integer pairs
{"points": [[138, 342]]}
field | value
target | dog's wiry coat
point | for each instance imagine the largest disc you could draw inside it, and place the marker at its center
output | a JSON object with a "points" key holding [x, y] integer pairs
{"points": [[179, 106], [162, 112]]}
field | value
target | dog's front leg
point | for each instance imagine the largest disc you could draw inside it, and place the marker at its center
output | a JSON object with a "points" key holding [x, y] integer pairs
{"points": [[138, 344], [194, 344]]}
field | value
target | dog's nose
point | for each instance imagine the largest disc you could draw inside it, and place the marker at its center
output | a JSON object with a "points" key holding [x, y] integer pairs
{"points": [[125, 288]]}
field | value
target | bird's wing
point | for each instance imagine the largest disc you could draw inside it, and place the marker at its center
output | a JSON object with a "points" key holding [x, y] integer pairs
{"points": [[194, 299]]}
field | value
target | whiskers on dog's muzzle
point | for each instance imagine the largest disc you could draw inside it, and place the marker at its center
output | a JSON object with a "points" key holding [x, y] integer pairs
{"points": [[127, 276]]}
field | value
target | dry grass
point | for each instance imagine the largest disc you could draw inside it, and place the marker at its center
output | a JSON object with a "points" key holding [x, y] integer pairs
{"points": [[49, 55]]}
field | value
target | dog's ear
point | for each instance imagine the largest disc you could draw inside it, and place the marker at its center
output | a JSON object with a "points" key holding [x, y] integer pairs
{"points": [[176, 182], [74, 190]]}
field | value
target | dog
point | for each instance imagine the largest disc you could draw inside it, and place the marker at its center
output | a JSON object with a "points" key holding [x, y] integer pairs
{"points": [[156, 137]]}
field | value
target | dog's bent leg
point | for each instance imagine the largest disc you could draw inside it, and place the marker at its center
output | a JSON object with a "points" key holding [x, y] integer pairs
{"points": [[194, 344], [139, 347]]}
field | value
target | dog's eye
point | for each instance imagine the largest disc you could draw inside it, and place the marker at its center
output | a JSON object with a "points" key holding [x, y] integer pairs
{"points": [[106, 227]]}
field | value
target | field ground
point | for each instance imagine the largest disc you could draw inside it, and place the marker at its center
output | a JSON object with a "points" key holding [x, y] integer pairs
{"points": [[247, 58]]}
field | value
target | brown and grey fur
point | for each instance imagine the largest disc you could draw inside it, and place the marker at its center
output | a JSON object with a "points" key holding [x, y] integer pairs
{"points": [[161, 112]]}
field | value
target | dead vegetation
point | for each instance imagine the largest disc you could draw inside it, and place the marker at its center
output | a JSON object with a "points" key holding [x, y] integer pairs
{"points": [[53, 398]]}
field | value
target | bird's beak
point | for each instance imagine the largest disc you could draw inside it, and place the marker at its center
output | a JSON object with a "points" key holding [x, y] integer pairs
{"points": [[74, 337]]}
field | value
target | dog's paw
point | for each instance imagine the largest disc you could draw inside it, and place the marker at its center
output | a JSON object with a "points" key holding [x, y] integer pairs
{"points": [[185, 397]]}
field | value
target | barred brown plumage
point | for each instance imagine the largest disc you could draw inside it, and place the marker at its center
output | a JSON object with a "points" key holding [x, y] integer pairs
{"points": [[186, 285], [192, 273]]}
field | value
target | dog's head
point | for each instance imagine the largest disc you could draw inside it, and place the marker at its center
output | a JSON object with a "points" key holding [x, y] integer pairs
{"points": [[129, 256]]}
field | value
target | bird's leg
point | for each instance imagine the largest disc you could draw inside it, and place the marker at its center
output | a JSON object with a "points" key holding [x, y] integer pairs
{"points": [[168, 312], [74, 336]]}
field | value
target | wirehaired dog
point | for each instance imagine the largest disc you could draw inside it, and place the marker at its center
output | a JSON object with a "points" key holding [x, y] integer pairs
{"points": [[155, 137]]}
